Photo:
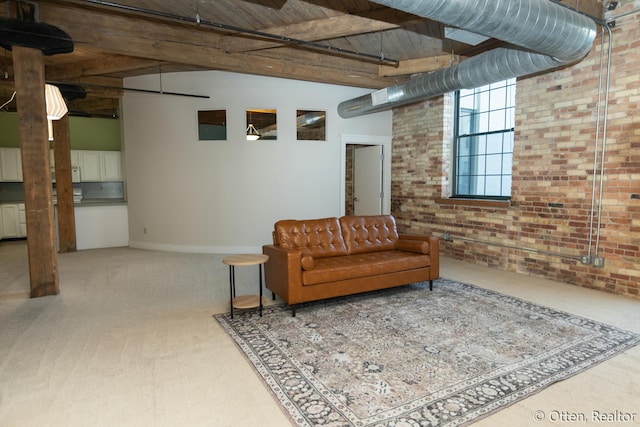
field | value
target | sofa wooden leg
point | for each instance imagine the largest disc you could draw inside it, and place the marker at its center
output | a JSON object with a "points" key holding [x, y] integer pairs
{"points": [[273, 296], [293, 311], [430, 285]]}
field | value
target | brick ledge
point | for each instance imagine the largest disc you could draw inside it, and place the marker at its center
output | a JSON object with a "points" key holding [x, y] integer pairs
{"points": [[504, 204]]}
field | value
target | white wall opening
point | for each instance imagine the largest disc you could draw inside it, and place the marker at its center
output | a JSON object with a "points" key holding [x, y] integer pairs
{"points": [[385, 142]]}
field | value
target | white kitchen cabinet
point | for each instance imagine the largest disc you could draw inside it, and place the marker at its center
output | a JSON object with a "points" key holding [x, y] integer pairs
{"points": [[90, 165], [95, 165], [10, 221], [10, 164], [22, 220], [112, 166], [74, 158], [98, 166]]}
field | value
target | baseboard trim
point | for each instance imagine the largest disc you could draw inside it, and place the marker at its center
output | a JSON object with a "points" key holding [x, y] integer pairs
{"points": [[165, 247]]}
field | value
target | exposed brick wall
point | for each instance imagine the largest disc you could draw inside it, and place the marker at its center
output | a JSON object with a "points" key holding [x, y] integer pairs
{"points": [[348, 184], [546, 228]]}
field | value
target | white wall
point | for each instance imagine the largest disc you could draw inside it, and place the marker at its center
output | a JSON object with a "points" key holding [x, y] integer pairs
{"points": [[224, 196]]}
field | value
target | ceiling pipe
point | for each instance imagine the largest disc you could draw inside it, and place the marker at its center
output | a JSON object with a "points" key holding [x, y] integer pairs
{"points": [[310, 119], [75, 89], [551, 35]]}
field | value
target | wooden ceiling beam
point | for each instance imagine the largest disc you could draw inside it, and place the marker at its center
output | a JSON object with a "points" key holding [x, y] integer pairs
{"points": [[94, 67], [106, 107], [199, 47], [316, 30], [309, 66], [594, 8], [417, 66], [345, 25], [100, 86]]}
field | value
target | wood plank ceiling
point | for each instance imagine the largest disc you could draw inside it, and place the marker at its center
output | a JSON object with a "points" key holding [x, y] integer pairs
{"points": [[354, 42]]}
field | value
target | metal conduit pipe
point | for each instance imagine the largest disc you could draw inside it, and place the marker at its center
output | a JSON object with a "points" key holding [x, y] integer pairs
{"points": [[604, 138], [595, 147], [552, 36]]}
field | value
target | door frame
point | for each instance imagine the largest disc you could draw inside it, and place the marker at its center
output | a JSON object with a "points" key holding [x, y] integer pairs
{"points": [[385, 142]]}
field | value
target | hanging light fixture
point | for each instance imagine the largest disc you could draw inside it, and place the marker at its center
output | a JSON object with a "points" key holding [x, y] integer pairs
{"points": [[252, 133], [56, 107]]}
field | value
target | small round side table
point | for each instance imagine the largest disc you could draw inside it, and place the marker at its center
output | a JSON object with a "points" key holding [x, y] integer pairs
{"points": [[241, 260]]}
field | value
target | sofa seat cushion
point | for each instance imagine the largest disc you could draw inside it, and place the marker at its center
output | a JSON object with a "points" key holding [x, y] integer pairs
{"points": [[363, 265]]}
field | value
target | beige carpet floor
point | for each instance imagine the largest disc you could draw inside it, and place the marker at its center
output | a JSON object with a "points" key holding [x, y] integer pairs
{"points": [[130, 341]]}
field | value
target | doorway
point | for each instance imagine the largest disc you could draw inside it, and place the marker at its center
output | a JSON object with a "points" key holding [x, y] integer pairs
{"points": [[367, 179], [366, 175]]}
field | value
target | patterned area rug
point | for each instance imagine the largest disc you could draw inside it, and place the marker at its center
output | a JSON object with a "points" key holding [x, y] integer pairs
{"points": [[410, 357]]}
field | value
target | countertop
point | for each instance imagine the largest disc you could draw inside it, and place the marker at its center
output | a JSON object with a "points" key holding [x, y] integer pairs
{"points": [[100, 202], [84, 202]]}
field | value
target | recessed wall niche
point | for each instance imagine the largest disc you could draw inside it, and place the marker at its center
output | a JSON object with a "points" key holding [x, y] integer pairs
{"points": [[311, 125], [264, 122], [212, 125]]}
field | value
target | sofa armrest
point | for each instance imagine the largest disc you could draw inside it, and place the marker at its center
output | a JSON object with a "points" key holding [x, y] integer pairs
{"points": [[417, 246], [434, 252], [283, 272]]}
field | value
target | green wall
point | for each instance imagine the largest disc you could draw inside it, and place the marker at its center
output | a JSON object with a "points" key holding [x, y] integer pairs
{"points": [[9, 130], [85, 133]]}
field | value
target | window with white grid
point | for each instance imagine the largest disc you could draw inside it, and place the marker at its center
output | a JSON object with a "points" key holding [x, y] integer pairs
{"points": [[483, 148]]}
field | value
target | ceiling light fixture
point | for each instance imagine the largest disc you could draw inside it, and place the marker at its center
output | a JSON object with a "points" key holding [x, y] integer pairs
{"points": [[252, 133], [56, 107]]}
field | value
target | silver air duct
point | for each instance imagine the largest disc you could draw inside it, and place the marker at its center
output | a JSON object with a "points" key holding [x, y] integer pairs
{"points": [[559, 35]]}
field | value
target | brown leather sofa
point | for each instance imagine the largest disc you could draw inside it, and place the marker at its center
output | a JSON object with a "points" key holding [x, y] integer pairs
{"points": [[315, 259]]}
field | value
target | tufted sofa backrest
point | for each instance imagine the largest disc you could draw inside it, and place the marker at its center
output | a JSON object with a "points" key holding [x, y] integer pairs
{"points": [[369, 233], [320, 237]]}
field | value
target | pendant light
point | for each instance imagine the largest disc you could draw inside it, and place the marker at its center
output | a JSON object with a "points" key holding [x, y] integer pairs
{"points": [[56, 107], [252, 132]]}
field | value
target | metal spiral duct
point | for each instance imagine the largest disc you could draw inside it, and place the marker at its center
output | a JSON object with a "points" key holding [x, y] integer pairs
{"points": [[551, 34]]}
